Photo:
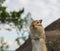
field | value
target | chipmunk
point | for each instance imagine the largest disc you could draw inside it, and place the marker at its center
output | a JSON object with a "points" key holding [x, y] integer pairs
{"points": [[37, 30], [37, 34]]}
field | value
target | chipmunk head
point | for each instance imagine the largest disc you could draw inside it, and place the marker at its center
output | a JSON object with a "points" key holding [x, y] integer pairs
{"points": [[36, 24]]}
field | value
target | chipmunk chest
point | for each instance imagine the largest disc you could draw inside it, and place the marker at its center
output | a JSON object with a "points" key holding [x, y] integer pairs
{"points": [[36, 31]]}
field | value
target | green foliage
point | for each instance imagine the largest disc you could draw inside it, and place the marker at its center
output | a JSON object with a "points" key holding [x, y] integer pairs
{"points": [[2, 8], [1, 1], [14, 16], [3, 44], [17, 39]]}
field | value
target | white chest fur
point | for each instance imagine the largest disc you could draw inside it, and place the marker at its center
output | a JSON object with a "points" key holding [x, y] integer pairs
{"points": [[37, 45]]}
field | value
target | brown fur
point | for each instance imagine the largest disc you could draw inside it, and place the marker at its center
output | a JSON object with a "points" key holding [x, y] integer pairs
{"points": [[37, 30]]}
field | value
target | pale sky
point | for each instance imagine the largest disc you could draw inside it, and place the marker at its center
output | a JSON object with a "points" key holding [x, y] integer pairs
{"points": [[47, 10]]}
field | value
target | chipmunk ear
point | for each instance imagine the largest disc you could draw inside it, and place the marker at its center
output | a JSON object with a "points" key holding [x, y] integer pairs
{"points": [[40, 21]]}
